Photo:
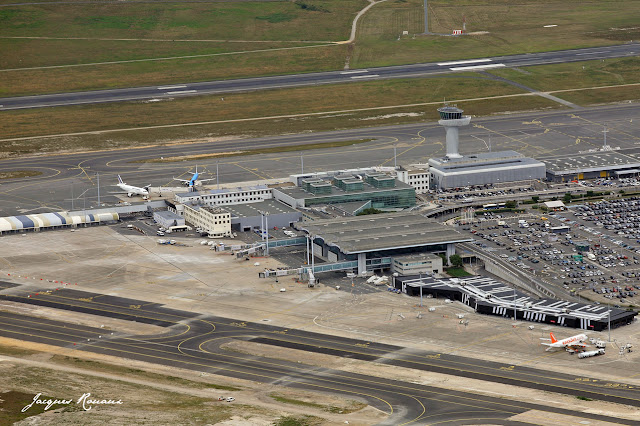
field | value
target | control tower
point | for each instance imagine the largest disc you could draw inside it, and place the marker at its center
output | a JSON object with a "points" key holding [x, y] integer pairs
{"points": [[451, 118]]}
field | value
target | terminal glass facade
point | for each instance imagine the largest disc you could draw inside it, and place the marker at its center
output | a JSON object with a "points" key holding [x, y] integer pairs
{"points": [[400, 198]]}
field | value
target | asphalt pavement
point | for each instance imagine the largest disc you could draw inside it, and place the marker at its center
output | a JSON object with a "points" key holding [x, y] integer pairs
{"points": [[194, 341], [310, 79], [73, 181]]}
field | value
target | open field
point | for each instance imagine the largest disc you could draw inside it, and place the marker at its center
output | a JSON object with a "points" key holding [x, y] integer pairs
{"points": [[320, 102], [133, 137], [312, 108], [95, 33], [295, 148], [296, 60], [595, 77], [576, 75], [251, 20], [602, 96], [163, 38], [512, 28], [29, 52]]}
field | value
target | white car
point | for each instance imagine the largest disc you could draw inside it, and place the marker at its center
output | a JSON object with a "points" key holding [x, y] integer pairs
{"points": [[231, 399]]}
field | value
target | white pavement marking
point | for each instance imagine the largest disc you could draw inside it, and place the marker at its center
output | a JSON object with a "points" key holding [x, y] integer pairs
{"points": [[354, 72], [593, 53], [365, 76], [469, 61], [477, 67], [172, 87], [181, 92]]}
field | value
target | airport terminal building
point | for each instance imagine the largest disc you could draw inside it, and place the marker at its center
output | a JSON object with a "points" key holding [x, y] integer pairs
{"points": [[249, 217], [491, 297], [383, 190], [371, 241], [484, 168]]}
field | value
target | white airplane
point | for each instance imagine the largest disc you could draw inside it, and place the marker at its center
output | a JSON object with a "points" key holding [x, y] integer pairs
{"points": [[133, 190], [571, 344], [194, 179]]}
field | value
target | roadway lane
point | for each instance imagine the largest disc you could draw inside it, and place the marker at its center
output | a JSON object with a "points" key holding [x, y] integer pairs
{"points": [[197, 334], [331, 77]]}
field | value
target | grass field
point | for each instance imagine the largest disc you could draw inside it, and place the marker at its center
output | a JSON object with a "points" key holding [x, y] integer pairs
{"points": [[250, 20], [25, 82], [96, 33], [128, 31], [20, 123], [576, 75], [289, 148], [320, 102], [512, 28]]}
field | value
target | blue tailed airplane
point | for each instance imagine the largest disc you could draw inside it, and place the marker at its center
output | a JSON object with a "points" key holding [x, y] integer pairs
{"points": [[191, 183]]}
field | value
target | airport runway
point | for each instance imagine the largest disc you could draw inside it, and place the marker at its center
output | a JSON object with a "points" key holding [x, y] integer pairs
{"points": [[74, 176], [194, 341], [310, 79]]}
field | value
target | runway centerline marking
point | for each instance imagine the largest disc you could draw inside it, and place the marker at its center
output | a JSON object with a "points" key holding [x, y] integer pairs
{"points": [[180, 86], [469, 61]]}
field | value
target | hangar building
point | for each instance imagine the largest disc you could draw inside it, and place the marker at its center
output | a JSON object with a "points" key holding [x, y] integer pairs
{"points": [[591, 165]]}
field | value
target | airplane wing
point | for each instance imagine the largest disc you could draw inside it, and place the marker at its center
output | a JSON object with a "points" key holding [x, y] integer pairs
{"points": [[182, 180], [204, 180]]}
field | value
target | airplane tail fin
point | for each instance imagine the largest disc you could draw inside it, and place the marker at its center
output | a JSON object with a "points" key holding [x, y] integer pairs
{"points": [[120, 179], [553, 338]]}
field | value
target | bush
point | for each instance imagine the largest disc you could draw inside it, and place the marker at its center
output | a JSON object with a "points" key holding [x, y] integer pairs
{"points": [[313, 8], [369, 210]]}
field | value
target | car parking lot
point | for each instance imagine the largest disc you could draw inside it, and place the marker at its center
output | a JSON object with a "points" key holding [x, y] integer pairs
{"points": [[570, 250]]}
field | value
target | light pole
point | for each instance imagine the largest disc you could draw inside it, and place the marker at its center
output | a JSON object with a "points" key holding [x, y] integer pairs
{"points": [[421, 289], [313, 262], [514, 304], [266, 223], [609, 320], [395, 156], [426, 18]]}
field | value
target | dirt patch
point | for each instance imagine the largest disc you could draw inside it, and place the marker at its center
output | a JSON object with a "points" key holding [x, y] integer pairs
{"points": [[435, 379], [108, 324], [152, 399]]}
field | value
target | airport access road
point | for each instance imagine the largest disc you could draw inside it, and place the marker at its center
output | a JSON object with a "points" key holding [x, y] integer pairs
{"points": [[196, 342], [74, 175], [310, 79]]}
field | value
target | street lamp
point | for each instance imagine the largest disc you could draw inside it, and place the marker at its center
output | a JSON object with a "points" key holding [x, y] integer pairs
{"points": [[426, 18]]}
